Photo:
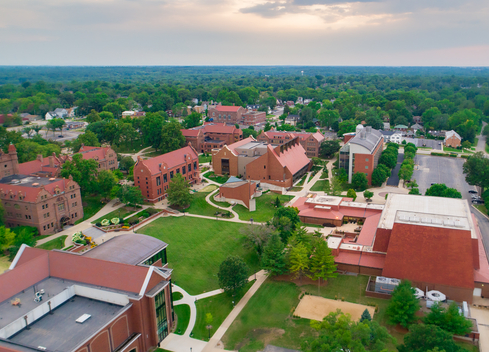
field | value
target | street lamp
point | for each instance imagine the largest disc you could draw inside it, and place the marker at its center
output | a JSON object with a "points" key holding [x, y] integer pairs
{"points": [[251, 221]]}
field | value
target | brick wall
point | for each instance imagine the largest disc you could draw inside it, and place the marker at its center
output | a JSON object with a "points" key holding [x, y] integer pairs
{"points": [[217, 158]]}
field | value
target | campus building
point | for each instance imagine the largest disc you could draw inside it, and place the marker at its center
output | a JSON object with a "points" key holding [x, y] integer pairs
{"points": [[253, 118], [434, 242], [452, 139], [105, 156], [114, 297], [239, 192], [362, 152], [311, 142], [228, 114], [153, 176], [211, 136], [274, 167]]}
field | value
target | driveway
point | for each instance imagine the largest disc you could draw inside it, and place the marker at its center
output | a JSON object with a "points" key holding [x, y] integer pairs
{"points": [[435, 169], [394, 179]]}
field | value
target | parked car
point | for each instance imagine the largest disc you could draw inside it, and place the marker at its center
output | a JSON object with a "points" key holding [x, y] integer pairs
{"points": [[472, 191], [477, 201]]}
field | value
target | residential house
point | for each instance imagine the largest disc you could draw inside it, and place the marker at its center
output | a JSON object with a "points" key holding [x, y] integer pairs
{"points": [[392, 136], [153, 176], [452, 139], [402, 128], [114, 297]]}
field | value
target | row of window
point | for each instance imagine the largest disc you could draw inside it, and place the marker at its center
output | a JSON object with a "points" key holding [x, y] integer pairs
{"points": [[44, 227]]}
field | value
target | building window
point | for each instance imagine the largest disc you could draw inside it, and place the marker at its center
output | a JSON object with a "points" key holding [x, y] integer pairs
{"points": [[195, 165], [61, 207], [178, 170], [158, 180], [184, 171], [171, 175], [366, 167], [366, 159], [161, 318], [165, 178]]}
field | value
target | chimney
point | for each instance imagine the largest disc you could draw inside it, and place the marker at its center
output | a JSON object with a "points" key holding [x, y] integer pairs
{"points": [[368, 129], [40, 158], [51, 161]]}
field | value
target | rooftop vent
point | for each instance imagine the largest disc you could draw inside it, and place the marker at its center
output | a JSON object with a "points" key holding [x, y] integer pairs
{"points": [[15, 181], [42, 348], [52, 179], [35, 184], [83, 318]]}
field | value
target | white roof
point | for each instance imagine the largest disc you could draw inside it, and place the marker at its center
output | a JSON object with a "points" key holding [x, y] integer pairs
{"points": [[451, 133], [427, 211]]}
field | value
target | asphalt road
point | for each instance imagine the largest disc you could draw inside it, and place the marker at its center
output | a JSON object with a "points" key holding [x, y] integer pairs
{"points": [[394, 179], [481, 144], [484, 227], [435, 169]]}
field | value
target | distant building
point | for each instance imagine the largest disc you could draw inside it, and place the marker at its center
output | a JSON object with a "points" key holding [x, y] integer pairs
{"points": [[114, 297], [311, 142], [361, 153], [61, 113], [253, 118], [392, 136], [228, 114], [153, 176], [452, 139], [105, 156], [402, 128], [211, 136]]}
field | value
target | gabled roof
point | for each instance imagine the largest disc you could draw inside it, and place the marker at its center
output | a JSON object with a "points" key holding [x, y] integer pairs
{"points": [[172, 159], [452, 133], [98, 153], [30, 187], [226, 108], [293, 158]]}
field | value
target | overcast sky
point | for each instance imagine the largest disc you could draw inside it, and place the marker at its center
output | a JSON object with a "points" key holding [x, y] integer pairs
{"points": [[244, 32]]}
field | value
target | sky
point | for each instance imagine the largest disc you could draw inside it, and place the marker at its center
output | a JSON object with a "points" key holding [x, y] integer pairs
{"points": [[244, 32]]}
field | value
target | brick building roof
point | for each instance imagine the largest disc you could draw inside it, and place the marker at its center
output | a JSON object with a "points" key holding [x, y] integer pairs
{"points": [[227, 108], [211, 128], [98, 153], [232, 147], [172, 159], [29, 187], [302, 135], [293, 157]]}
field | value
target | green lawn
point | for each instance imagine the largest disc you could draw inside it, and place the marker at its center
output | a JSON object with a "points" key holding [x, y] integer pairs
{"points": [[264, 207], [121, 212], [219, 307], [200, 207], [295, 189], [449, 149], [183, 317], [176, 296], [487, 148], [196, 248], [57, 243], [481, 207], [4, 263], [205, 159], [91, 205], [212, 176], [320, 186], [267, 317]]}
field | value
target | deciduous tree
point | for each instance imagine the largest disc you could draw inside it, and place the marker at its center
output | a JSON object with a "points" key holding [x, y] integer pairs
{"points": [[179, 192], [171, 137], [403, 305], [233, 275]]}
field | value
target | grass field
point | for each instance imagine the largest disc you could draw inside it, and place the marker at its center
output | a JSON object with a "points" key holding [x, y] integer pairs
{"points": [[4, 263], [219, 307], [118, 213], [183, 313], [57, 243], [267, 317], [295, 189], [196, 248], [301, 182], [176, 296], [320, 186], [91, 205], [219, 179], [481, 207], [200, 207], [264, 208], [205, 159]]}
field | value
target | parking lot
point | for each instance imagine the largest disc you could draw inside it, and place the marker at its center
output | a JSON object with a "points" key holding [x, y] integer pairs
{"points": [[434, 169], [425, 143]]}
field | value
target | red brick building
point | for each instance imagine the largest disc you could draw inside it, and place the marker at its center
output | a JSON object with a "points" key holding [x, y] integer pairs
{"points": [[228, 114], [434, 242], [275, 167], [309, 141], [105, 156], [153, 175], [362, 153], [452, 139], [252, 118], [115, 297], [211, 136], [238, 191]]}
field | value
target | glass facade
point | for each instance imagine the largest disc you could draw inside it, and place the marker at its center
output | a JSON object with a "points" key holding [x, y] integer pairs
{"points": [[160, 255], [161, 318]]}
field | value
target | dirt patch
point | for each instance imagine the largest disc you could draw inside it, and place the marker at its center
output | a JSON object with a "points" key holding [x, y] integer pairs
{"points": [[207, 189], [264, 335], [314, 307]]}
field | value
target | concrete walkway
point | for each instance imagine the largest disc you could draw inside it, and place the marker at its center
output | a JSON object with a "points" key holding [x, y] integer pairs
{"points": [[183, 343], [134, 156]]}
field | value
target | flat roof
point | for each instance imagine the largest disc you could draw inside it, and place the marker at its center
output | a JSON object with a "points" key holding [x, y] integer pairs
{"points": [[427, 211], [60, 331], [325, 200], [251, 145], [28, 181], [128, 249]]}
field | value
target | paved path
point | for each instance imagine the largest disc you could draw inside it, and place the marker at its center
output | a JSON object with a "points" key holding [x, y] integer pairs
{"points": [[394, 178], [134, 156], [183, 343], [481, 145]]}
